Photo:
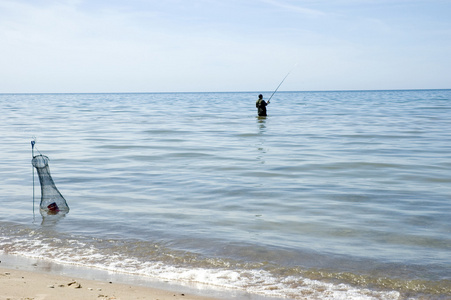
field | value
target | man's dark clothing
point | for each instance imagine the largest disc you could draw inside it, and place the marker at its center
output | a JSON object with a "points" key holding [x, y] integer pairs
{"points": [[261, 106]]}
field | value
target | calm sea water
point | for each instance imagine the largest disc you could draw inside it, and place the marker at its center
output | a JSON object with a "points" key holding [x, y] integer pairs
{"points": [[335, 195]]}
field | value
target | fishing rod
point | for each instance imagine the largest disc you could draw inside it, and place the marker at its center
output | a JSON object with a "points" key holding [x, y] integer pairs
{"points": [[282, 82]]}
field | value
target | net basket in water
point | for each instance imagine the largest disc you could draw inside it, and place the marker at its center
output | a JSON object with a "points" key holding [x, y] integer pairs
{"points": [[52, 201]]}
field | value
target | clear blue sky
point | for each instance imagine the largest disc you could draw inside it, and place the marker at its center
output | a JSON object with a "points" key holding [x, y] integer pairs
{"points": [[223, 45]]}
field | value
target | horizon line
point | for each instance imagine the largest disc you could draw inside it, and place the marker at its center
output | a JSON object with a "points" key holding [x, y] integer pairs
{"points": [[224, 92]]}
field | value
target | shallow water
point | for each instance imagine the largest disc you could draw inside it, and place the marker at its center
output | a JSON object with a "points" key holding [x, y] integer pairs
{"points": [[333, 195]]}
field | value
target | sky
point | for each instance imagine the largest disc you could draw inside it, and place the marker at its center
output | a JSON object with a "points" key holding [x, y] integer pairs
{"points": [[96, 46]]}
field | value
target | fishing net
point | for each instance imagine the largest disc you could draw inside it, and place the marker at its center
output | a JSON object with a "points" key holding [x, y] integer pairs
{"points": [[52, 201]]}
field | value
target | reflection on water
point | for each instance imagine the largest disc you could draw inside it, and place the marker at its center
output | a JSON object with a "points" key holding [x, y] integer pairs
{"points": [[261, 122], [51, 219]]}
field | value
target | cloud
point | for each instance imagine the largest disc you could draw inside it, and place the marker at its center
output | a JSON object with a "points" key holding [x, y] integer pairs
{"points": [[296, 8]]}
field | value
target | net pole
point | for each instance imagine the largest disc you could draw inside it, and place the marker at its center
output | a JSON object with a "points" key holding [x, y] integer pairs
{"points": [[32, 170]]}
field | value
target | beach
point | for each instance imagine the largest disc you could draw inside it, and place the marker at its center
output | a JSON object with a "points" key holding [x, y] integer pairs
{"points": [[18, 284], [334, 195]]}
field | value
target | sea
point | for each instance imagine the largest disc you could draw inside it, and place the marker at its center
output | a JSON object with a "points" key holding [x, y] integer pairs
{"points": [[333, 195]]}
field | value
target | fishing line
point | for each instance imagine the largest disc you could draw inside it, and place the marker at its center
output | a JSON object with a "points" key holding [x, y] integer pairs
{"points": [[282, 82]]}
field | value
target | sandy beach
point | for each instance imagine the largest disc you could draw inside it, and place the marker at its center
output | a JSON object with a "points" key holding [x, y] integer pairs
{"points": [[29, 285]]}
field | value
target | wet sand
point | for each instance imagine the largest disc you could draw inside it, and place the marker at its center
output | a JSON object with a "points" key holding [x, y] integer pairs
{"points": [[30, 285]]}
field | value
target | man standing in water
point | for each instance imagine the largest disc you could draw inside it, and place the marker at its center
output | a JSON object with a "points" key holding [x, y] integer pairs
{"points": [[261, 106]]}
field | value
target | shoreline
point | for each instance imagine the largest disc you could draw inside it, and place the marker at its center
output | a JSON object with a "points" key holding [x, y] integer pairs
{"points": [[35, 279], [30, 285]]}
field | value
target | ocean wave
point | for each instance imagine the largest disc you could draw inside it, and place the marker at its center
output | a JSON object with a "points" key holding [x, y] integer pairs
{"points": [[159, 262]]}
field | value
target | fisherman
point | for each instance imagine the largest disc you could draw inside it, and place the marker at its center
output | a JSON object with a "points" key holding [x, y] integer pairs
{"points": [[261, 106]]}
